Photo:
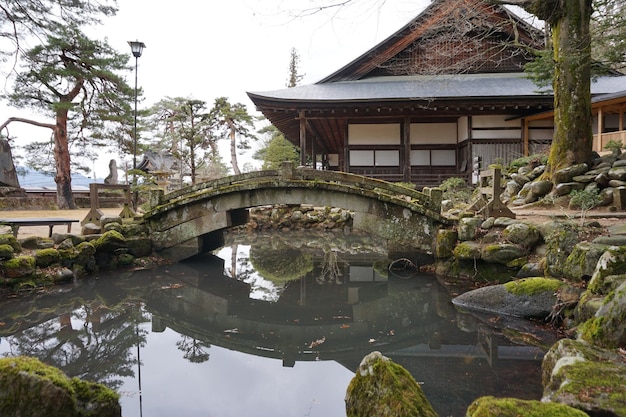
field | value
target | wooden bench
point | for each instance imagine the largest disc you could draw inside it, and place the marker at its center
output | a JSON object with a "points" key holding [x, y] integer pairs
{"points": [[16, 223]]}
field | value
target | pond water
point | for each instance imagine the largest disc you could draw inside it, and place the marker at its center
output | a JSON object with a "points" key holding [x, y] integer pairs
{"points": [[268, 325]]}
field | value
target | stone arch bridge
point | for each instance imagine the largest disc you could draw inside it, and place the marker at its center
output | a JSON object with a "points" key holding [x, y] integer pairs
{"points": [[191, 220]]}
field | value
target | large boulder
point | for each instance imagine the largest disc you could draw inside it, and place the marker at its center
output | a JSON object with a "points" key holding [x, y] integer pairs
{"points": [[560, 237], [30, 388], [524, 234], [502, 253], [587, 377], [528, 298], [607, 328], [384, 388], [568, 173], [609, 274], [581, 263]]}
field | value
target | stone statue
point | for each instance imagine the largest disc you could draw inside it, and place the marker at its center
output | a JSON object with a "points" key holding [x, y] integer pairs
{"points": [[8, 175], [112, 177]]}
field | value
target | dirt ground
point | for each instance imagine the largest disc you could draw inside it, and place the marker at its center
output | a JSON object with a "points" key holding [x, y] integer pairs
{"points": [[536, 215], [25, 231]]}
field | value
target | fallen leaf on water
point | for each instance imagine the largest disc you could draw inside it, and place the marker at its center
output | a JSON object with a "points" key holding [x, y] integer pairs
{"points": [[372, 341], [171, 286], [235, 330], [317, 342], [344, 326]]}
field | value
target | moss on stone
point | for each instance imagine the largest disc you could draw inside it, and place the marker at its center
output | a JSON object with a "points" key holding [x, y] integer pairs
{"points": [[385, 389], [19, 266], [533, 286], [8, 239], [110, 241], [30, 387], [587, 380], [47, 257], [467, 250], [6, 251], [511, 407]]}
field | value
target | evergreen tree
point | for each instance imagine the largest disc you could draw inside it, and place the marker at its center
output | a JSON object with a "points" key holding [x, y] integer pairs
{"points": [[75, 81], [184, 128], [294, 69], [232, 121]]}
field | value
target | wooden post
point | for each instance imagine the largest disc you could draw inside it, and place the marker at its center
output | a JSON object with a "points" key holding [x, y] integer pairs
{"points": [[302, 138], [489, 203], [406, 140]]}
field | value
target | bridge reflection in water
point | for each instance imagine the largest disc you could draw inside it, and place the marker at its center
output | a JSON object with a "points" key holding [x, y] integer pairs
{"points": [[320, 317]]}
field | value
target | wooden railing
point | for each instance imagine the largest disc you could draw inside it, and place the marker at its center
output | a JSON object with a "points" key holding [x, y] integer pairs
{"points": [[602, 139]]}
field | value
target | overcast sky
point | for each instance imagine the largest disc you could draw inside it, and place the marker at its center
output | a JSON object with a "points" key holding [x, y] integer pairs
{"points": [[207, 49]]}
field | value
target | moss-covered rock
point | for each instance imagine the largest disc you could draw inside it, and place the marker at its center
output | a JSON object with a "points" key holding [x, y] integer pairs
{"points": [[523, 234], [134, 229], [139, 246], [610, 273], [560, 238], [611, 263], [608, 328], [36, 242], [112, 226], [384, 388], [47, 257], [502, 253], [533, 286], [468, 228], [581, 262], [586, 377], [109, 242], [30, 388], [444, 243], [6, 251], [19, 267], [513, 407], [527, 298], [468, 250], [8, 239]]}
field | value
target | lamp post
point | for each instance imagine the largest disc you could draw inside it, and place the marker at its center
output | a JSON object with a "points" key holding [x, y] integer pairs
{"points": [[137, 48]]}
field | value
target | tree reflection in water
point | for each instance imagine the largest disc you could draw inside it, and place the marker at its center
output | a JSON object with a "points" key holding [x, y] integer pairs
{"points": [[93, 341], [194, 349]]}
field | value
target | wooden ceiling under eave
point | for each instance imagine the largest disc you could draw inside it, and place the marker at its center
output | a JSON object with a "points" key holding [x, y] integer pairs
{"points": [[326, 123]]}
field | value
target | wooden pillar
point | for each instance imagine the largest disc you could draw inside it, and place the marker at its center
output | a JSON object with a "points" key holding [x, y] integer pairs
{"points": [[313, 154], [302, 138], [598, 145], [345, 150], [406, 140], [525, 137]]}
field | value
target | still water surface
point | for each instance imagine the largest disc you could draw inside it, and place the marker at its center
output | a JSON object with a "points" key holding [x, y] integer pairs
{"points": [[269, 325]]}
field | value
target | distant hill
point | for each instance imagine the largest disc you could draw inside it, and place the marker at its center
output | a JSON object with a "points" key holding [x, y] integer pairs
{"points": [[35, 179]]}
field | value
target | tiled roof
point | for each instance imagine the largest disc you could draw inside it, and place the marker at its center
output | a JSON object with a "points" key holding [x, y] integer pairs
{"points": [[421, 87]]}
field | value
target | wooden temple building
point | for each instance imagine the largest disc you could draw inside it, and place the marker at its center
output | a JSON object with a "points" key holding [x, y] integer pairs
{"points": [[422, 104]]}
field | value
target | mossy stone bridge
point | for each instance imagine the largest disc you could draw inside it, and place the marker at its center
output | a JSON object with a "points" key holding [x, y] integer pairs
{"points": [[191, 220]]}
